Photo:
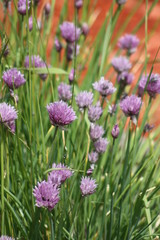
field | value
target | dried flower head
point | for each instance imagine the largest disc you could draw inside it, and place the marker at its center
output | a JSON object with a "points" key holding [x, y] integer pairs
{"points": [[121, 64], [128, 42], [93, 157], [101, 145], [8, 115], [69, 32], [115, 131], [90, 170], [46, 195], [95, 112], [60, 174], [104, 87], [88, 186], [22, 6], [84, 99], [131, 105], [64, 92], [13, 78], [60, 114], [125, 78], [96, 131], [112, 109], [153, 86]]}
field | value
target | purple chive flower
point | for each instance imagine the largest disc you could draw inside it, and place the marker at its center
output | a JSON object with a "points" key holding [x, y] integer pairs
{"points": [[78, 3], [30, 23], [153, 86], [88, 186], [57, 45], [90, 170], [59, 176], [101, 145], [71, 75], [125, 78], [46, 195], [22, 6], [69, 32], [112, 109], [93, 157], [128, 42], [121, 64], [131, 105], [36, 62], [64, 92], [96, 131], [104, 87], [115, 131], [120, 2], [47, 10], [8, 115], [70, 51], [85, 29], [95, 112], [6, 238], [84, 99], [60, 114], [13, 78]]}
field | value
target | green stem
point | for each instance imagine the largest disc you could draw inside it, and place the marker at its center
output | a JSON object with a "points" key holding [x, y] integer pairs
{"points": [[7, 154], [2, 185], [52, 227]]}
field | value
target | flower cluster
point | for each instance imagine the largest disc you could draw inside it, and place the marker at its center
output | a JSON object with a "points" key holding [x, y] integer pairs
{"points": [[64, 92], [104, 87], [88, 186], [84, 99], [60, 114], [13, 78], [128, 42], [22, 6], [151, 83], [36, 62], [8, 115], [47, 192]]}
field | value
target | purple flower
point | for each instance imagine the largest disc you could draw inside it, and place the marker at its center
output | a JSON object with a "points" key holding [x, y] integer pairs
{"points": [[78, 3], [84, 99], [70, 51], [115, 131], [131, 105], [128, 42], [153, 86], [47, 10], [6, 238], [71, 75], [60, 114], [96, 131], [101, 145], [69, 32], [104, 87], [85, 29], [36, 62], [46, 195], [94, 112], [121, 64], [90, 170], [13, 78], [22, 6], [88, 186], [120, 2], [93, 157], [125, 78], [57, 45], [30, 23], [8, 115], [64, 92], [59, 176]]}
